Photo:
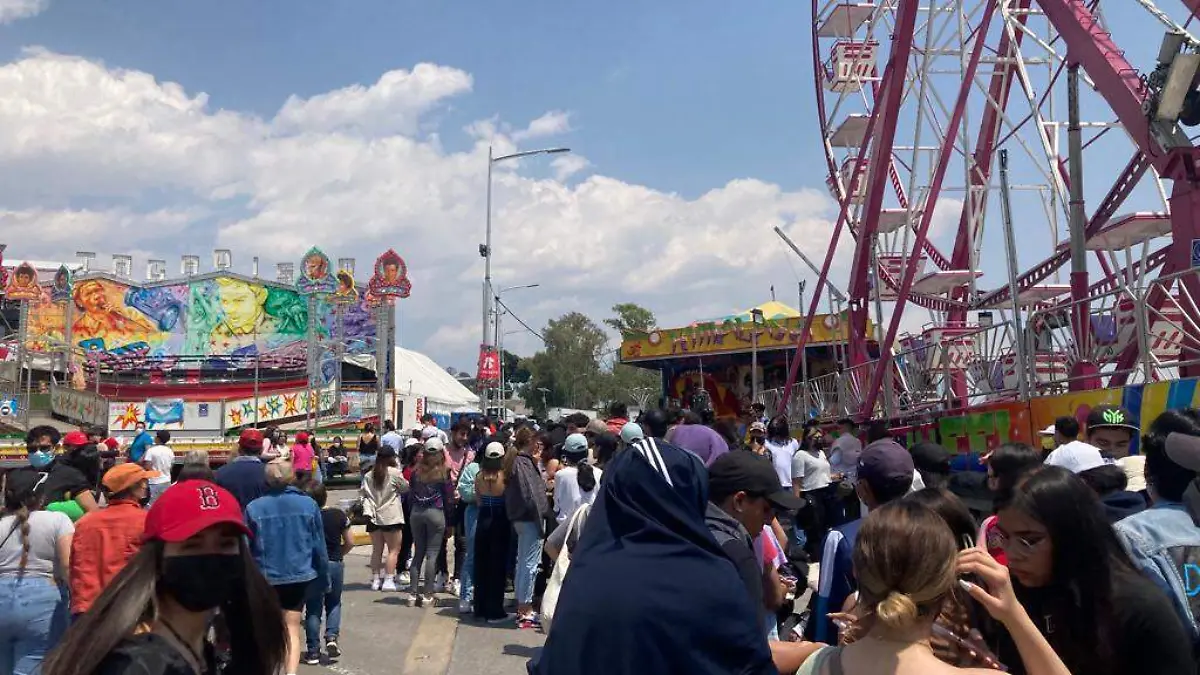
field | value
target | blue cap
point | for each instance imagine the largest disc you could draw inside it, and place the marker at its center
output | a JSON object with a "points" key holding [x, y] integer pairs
{"points": [[631, 432], [576, 444]]}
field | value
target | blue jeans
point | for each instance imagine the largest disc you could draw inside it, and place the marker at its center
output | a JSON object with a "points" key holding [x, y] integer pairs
{"points": [[27, 607], [529, 551], [328, 601], [466, 578]]}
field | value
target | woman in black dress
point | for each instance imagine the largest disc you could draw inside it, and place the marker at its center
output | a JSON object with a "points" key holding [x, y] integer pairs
{"points": [[492, 535]]}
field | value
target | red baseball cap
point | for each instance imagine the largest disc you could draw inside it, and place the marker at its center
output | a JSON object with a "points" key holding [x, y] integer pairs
{"points": [[112, 443], [189, 507], [251, 439], [302, 437], [75, 438]]}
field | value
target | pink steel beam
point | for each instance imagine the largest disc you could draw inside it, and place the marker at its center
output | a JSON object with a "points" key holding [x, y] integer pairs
{"points": [[910, 270], [887, 109], [843, 213], [1003, 76], [1193, 7]]}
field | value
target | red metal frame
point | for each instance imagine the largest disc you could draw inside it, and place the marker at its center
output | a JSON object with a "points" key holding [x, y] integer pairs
{"points": [[960, 106], [887, 110]]}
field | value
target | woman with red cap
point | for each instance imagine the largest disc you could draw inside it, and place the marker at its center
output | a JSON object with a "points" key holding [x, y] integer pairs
{"points": [[155, 615]]}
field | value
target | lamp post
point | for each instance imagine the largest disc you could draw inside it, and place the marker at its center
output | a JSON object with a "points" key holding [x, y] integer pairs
{"points": [[499, 354], [756, 316], [485, 250]]}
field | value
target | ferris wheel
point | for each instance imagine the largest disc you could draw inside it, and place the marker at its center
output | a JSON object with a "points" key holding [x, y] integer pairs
{"points": [[966, 140]]}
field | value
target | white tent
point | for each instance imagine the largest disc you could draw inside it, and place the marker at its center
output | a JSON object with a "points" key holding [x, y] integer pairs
{"points": [[417, 375]]}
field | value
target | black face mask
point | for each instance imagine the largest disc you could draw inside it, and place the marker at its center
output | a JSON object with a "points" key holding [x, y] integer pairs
{"points": [[201, 582]]}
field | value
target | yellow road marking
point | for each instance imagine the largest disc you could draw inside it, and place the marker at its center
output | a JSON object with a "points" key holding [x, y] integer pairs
{"points": [[432, 645]]}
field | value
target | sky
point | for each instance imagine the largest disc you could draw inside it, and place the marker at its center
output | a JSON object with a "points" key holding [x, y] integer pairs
{"points": [[166, 128]]}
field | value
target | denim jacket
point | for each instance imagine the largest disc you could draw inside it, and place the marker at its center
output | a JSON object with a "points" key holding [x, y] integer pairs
{"points": [[289, 537], [1164, 544]]}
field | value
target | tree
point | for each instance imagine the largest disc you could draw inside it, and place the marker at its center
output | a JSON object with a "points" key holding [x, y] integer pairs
{"points": [[514, 371], [631, 319], [569, 366]]}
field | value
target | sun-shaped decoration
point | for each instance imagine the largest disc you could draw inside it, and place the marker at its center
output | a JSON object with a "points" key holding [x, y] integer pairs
{"points": [[130, 416]]}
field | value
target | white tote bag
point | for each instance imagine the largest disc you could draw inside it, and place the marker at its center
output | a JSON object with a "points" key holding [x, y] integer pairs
{"points": [[561, 565]]}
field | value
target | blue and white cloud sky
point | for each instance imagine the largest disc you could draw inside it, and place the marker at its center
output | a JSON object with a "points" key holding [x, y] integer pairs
{"points": [[164, 128]]}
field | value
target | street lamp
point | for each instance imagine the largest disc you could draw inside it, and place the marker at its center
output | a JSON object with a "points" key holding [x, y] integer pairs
{"points": [[497, 342], [756, 316], [485, 250]]}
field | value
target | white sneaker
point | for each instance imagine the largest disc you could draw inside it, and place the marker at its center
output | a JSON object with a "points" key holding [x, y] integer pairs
{"points": [[414, 600], [429, 601], [403, 579], [454, 587], [376, 583], [389, 585]]}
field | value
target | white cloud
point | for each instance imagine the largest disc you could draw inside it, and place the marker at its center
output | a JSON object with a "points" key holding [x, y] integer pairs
{"points": [[13, 10], [566, 166], [362, 169], [393, 104], [553, 123]]}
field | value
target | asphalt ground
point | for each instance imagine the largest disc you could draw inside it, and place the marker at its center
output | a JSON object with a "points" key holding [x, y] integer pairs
{"points": [[380, 634]]}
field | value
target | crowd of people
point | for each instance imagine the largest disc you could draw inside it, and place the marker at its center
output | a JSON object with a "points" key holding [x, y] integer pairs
{"points": [[673, 543]]}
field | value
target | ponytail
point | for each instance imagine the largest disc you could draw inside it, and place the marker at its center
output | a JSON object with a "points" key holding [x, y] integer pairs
{"points": [[587, 477]]}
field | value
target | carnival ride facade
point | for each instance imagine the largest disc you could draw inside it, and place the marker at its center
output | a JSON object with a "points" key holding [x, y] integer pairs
{"points": [[1062, 173]]}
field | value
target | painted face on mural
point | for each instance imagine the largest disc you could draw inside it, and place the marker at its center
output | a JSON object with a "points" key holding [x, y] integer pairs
{"points": [[90, 297], [315, 267], [391, 273], [242, 307]]}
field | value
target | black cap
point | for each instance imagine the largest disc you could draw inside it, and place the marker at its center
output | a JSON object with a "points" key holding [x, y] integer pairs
{"points": [[750, 473], [931, 457], [1111, 416]]}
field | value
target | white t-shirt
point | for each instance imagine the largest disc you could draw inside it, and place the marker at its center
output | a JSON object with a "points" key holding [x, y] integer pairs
{"points": [[781, 457], [159, 458], [811, 470], [567, 495], [45, 529], [843, 456]]}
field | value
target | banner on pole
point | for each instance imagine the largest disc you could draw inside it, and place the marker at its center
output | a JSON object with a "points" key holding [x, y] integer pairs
{"points": [[23, 284], [391, 276], [489, 365], [315, 276]]}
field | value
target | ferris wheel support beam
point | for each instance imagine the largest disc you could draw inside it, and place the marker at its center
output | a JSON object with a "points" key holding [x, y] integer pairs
{"points": [[887, 112], [910, 269]]}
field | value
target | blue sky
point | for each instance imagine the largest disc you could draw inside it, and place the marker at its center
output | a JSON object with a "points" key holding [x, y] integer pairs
{"points": [[162, 128], [682, 96]]}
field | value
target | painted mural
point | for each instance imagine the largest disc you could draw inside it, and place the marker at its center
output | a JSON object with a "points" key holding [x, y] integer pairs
{"points": [[221, 318], [171, 414]]}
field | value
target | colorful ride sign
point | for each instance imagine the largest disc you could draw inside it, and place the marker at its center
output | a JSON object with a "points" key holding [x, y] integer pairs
{"points": [[23, 284], [315, 275], [733, 336], [391, 277]]}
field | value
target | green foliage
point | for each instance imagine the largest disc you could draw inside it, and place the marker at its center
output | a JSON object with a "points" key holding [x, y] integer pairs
{"points": [[514, 371], [575, 371], [631, 319]]}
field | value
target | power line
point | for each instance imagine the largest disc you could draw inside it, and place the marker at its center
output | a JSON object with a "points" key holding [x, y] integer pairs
{"points": [[519, 320]]}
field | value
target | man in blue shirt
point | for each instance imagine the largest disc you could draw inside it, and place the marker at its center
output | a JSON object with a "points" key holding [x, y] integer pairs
{"points": [[885, 474], [245, 476]]}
